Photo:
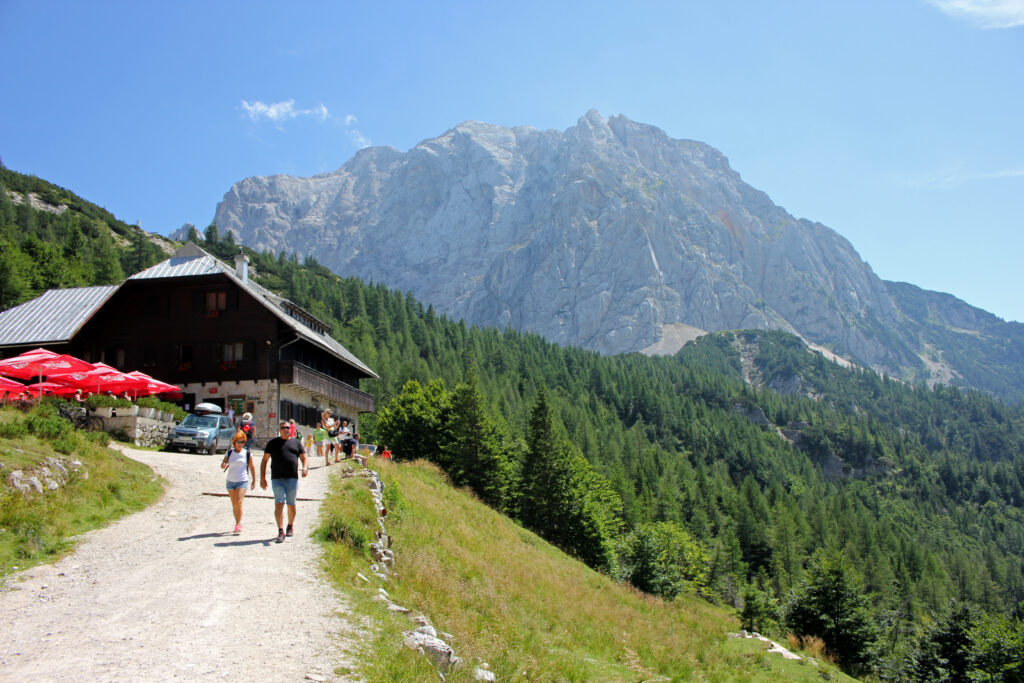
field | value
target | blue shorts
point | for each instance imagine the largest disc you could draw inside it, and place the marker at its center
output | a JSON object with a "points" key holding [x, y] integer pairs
{"points": [[285, 490], [237, 485]]}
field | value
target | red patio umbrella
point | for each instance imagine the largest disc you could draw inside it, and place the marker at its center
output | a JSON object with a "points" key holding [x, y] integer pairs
{"points": [[10, 384], [52, 388], [41, 362], [153, 386], [101, 378]]}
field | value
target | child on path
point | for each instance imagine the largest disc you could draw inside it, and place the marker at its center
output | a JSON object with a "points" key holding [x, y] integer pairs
{"points": [[320, 439], [241, 475]]}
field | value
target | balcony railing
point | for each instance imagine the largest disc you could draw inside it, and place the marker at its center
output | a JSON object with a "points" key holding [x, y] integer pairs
{"points": [[290, 372]]}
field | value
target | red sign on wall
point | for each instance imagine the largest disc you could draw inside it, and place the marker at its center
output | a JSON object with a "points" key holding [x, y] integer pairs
{"points": [[272, 415], [213, 390]]}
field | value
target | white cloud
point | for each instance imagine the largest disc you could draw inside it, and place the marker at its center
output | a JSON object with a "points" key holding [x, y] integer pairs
{"points": [[954, 177], [279, 112], [356, 137], [984, 13], [1006, 173]]}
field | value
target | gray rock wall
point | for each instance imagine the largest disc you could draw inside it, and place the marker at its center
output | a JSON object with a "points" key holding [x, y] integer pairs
{"points": [[597, 236]]}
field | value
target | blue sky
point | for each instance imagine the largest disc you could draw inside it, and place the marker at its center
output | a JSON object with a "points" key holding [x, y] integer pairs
{"points": [[897, 123]]}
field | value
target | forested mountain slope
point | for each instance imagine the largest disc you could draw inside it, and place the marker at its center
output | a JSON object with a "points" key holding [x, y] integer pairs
{"points": [[52, 238], [691, 474]]}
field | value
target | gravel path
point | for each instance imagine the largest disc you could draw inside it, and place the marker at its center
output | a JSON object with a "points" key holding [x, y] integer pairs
{"points": [[170, 593]]}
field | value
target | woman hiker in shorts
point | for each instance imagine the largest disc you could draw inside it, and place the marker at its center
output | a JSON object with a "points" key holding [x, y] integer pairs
{"points": [[241, 475]]}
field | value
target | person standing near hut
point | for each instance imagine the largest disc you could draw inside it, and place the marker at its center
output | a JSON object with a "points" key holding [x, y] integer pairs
{"points": [[331, 425], [320, 439], [248, 427]]}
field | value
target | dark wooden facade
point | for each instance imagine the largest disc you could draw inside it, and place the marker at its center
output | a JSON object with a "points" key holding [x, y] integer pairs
{"points": [[209, 329]]}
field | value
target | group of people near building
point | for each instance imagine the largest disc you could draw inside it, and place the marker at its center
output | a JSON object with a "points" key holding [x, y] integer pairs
{"points": [[334, 438], [284, 454], [25, 398]]}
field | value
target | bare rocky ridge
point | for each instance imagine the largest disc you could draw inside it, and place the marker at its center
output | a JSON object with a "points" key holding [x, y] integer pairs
{"points": [[608, 235], [169, 593]]}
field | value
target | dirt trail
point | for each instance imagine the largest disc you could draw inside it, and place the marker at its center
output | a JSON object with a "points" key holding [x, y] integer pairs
{"points": [[170, 593]]}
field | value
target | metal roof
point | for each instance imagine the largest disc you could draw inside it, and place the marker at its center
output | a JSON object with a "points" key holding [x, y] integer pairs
{"points": [[190, 260], [53, 317]]}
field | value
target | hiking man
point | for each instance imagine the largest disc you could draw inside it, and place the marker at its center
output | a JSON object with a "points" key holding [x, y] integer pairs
{"points": [[283, 453]]}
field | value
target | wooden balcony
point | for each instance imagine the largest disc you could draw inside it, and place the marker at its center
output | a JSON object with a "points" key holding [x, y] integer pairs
{"points": [[290, 372]]}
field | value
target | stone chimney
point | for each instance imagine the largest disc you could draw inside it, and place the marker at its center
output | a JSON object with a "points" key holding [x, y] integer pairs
{"points": [[242, 267]]}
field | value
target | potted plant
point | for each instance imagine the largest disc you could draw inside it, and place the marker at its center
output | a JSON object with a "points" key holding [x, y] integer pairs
{"points": [[169, 411], [101, 405], [149, 406]]}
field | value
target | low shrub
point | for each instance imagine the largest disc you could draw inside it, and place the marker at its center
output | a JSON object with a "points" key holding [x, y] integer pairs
{"points": [[66, 443], [13, 429], [335, 528], [101, 439], [49, 427], [393, 501]]}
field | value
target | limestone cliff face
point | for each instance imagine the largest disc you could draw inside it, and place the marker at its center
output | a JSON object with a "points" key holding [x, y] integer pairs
{"points": [[597, 236]]}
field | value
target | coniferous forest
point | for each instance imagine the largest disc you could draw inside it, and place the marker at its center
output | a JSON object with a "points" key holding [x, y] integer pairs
{"points": [[885, 519]]}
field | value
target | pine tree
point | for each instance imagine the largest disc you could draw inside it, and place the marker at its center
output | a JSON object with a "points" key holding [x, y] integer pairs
{"points": [[536, 487], [830, 604], [472, 455]]}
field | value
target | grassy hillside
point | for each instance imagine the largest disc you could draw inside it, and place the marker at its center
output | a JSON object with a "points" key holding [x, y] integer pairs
{"points": [[38, 527], [512, 600]]}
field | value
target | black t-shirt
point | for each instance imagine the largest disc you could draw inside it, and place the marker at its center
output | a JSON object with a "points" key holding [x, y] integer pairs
{"points": [[284, 457]]}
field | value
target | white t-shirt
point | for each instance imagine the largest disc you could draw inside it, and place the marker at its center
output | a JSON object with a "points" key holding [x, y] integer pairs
{"points": [[238, 467]]}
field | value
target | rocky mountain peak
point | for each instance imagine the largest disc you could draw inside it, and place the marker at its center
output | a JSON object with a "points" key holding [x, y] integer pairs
{"points": [[603, 235]]}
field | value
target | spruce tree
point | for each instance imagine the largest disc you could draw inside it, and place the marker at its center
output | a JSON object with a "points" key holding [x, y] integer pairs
{"points": [[830, 604]]}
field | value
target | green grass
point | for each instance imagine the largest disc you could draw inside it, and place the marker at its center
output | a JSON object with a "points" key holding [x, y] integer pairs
{"points": [[40, 527], [512, 600]]}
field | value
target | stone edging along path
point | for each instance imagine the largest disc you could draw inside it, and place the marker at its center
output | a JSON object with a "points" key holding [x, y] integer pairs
{"points": [[424, 638], [169, 592]]}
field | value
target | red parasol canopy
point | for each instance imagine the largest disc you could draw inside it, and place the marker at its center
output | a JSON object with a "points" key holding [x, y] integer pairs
{"points": [[29, 365], [153, 386], [52, 388], [102, 378], [10, 384], [41, 362]]}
